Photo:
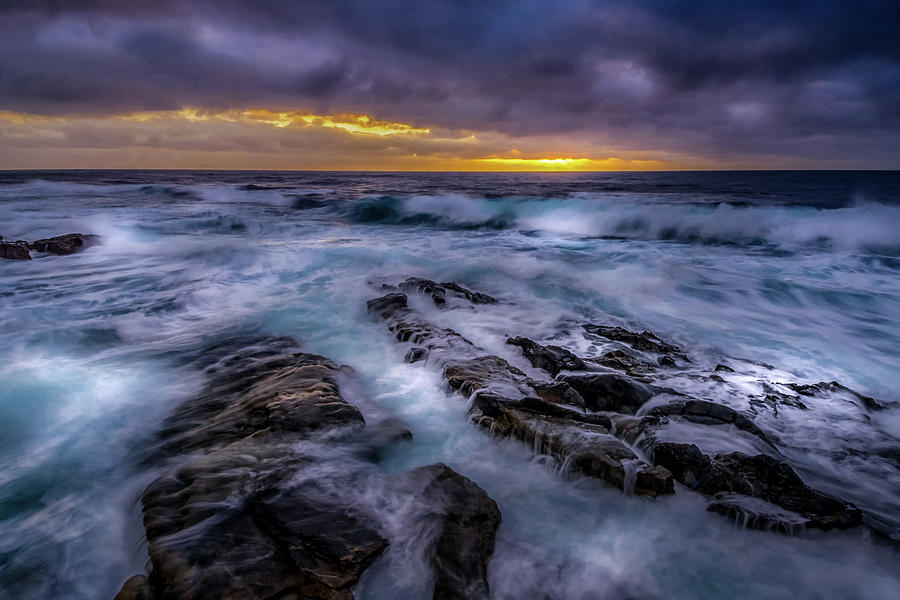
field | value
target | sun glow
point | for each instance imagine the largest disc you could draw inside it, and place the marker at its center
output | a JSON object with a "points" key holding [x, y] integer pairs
{"points": [[561, 164]]}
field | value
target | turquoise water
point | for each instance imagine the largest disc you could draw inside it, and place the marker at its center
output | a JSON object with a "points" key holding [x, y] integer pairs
{"points": [[804, 277]]}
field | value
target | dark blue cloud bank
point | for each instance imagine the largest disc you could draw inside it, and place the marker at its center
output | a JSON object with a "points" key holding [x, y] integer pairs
{"points": [[814, 80]]}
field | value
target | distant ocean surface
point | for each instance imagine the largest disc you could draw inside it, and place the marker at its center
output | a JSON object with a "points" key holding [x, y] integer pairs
{"points": [[798, 270]]}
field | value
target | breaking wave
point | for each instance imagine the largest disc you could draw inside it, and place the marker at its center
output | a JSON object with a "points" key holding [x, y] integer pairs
{"points": [[864, 227]]}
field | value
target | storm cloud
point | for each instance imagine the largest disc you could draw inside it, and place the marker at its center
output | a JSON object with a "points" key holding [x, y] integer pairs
{"points": [[767, 83]]}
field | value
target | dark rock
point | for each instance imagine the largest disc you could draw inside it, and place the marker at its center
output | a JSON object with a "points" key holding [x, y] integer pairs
{"points": [[773, 400], [14, 250], [424, 286], [754, 513], [468, 376], [823, 388], [489, 405], [473, 297], [65, 244], [610, 392], [685, 461], [135, 588], [415, 355], [631, 428], [552, 359], [387, 304], [224, 527], [760, 476], [622, 361], [666, 361], [724, 369], [440, 291], [653, 480], [709, 413], [252, 393], [580, 441], [227, 522], [507, 403], [558, 392], [646, 341], [467, 522]]}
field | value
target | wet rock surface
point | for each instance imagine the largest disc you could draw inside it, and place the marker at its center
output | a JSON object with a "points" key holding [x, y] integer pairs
{"points": [[596, 415], [610, 392], [14, 250], [646, 341], [762, 477], [65, 244], [547, 415], [824, 388], [440, 292], [69, 243], [552, 359], [258, 503], [466, 521], [709, 413]]}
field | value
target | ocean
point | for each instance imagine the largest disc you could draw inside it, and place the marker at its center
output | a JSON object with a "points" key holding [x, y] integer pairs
{"points": [[785, 276]]}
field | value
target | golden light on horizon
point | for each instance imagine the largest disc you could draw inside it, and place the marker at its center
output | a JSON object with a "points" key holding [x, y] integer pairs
{"points": [[564, 164], [263, 138]]}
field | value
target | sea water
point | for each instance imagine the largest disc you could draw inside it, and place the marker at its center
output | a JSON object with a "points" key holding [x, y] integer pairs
{"points": [[798, 270]]}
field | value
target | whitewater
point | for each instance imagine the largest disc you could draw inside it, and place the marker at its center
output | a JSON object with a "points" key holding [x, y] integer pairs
{"points": [[786, 276]]}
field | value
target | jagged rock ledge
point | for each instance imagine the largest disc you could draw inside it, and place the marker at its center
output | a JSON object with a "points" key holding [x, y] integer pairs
{"points": [[257, 503], [508, 403], [592, 405]]}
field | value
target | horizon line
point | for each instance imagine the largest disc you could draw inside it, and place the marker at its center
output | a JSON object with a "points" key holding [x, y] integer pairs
{"points": [[547, 171]]}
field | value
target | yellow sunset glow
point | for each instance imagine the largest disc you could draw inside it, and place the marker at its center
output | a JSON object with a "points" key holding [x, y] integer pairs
{"points": [[263, 138], [564, 164]]}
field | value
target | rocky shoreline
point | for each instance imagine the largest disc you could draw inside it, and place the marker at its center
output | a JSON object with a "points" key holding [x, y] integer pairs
{"points": [[262, 468], [604, 416]]}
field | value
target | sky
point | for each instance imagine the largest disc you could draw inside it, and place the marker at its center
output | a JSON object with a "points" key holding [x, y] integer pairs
{"points": [[450, 85]]}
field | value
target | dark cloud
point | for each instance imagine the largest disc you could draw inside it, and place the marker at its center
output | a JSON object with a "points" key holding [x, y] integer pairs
{"points": [[804, 79]]}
